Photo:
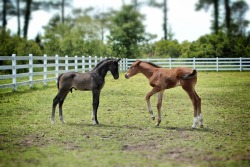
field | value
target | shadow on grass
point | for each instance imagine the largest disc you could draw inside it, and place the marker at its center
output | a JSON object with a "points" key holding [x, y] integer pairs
{"points": [[104, 125], [203, 129]]}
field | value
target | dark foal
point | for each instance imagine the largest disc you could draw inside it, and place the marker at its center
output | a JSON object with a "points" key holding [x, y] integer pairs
{"points": [[162, 78], [93, 80]]}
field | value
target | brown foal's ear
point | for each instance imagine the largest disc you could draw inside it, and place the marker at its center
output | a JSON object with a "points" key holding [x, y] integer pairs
{"points": [[137, 62]]}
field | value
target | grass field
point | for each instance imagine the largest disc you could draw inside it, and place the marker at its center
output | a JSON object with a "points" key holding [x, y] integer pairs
{"points": [[126, 135]]}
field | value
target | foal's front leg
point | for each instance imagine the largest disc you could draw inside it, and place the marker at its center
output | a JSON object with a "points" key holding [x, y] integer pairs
{"points": [[152, 92], [96, 96]]}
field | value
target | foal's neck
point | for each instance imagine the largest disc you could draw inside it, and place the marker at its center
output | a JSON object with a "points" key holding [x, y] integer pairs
{"points": [[102, 71], [147, 70]]}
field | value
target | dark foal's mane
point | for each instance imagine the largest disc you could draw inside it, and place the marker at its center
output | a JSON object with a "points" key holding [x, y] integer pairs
{"points": [[152, 64], [100, 63]]}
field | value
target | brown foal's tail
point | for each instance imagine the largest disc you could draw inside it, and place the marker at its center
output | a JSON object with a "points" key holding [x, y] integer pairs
{"points": [[190, 76]]}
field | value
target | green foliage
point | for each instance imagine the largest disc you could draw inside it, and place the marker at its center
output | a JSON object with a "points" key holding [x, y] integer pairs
{"points": [[165, 48], [77, 36], [219, 45], [16, 45], [126, 32]]}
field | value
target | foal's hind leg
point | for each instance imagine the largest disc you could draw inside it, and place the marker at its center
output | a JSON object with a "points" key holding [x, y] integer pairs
{"points": [[200, 117], [55, 102], [60, 107], [195, 101], [58, 99], [159, 104]]}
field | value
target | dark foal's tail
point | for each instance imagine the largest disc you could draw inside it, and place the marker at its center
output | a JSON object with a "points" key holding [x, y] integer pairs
{"points": [[190, 76], [58, 79]]}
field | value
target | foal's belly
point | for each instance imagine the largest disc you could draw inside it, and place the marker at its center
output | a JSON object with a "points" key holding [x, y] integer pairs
{"points": [[82, 82], [169, 83]]}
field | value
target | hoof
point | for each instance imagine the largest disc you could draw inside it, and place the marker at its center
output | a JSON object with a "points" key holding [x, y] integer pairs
{"points": [[95, 123], [52, 121], [202, 126], [153, 117], [157, 125]]}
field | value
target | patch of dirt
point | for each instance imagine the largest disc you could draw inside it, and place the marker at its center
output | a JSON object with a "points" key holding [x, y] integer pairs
{"points": [[180, 154], [140, 147], [71, 146], [34, 140]]}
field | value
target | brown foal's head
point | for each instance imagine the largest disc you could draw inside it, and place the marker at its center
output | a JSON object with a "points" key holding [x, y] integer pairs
{"points": [[133, 70]]}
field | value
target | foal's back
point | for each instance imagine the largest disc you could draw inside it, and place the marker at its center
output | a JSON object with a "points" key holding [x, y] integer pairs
{"points": [[169, 78], [79, 81]]}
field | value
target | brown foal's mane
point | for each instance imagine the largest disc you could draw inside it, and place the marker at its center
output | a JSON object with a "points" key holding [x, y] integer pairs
{"points": [[152, 64]]}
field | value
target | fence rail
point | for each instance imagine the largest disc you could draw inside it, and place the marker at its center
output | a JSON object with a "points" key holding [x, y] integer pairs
{"points": [[28, 70]]}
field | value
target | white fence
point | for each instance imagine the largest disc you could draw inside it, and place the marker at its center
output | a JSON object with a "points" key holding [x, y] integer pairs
{"points": [[28, 70]]}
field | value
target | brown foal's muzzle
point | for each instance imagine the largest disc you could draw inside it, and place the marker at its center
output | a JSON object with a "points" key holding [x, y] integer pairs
{"points": [[126, 76]]}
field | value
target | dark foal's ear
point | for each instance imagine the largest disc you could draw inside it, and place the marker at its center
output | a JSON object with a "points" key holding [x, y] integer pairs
{"points": [[118, 60]]}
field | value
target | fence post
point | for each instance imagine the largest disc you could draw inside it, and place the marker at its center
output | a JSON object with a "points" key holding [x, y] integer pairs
{"points": [[57, 66], [31, 70], [121, 65], [83, 63], [95, 60], [14, 72], [90, 65], [194, 62], [241, 64], [170, 62], [126, 64], [45, 70], [76, 66], [217, 64], [66, 63]]}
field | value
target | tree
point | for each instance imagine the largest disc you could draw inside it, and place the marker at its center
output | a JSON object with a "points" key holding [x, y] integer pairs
{"points": [[238, 22], [227, 16], [4, 14], [58, 4], [126, 32], [166, 48], [162, 5], [79, 35], [27, 18], [205, 4]]}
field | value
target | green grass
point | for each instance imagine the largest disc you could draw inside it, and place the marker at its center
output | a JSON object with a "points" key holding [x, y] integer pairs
{"points": [[126, 135]]}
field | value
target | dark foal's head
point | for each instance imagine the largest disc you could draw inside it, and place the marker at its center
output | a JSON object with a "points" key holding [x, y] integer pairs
{"points": [[114, 68], [133, 70]]}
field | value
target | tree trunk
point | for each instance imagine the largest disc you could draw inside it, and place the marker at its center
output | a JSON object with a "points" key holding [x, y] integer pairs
{"points": [[27, 18], [63, 5], [228, 16], [4, 14], [165, 21], [18, 18], [216, 16]]}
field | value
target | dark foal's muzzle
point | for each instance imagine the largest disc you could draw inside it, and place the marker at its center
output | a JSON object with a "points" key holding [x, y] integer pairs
{"points": [[116, 76]]}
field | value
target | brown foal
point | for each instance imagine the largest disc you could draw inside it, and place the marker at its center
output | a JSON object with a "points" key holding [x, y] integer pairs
{"points": [[161, 79]]}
